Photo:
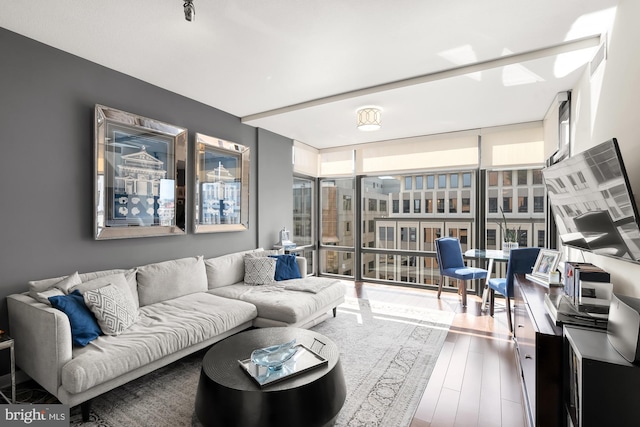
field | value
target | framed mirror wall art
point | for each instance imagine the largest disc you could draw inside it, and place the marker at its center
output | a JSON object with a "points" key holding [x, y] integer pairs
{"points": [[221, 185], [140, 167]]}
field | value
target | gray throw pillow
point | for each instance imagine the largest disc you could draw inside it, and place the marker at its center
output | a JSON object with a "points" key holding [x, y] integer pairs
{"points": [[259, 270], [43, 296], [119, 280], [113, 311], [64, 284]]}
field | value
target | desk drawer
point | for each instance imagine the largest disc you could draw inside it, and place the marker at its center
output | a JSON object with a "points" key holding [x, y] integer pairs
{"points": [[526, 338]]}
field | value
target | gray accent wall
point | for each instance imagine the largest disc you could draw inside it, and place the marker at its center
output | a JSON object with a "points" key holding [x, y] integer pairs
{"points": [[47, 100], [275, 186]]}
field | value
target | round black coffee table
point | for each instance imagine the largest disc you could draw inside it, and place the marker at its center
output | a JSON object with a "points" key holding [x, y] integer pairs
{"points": [[228, 397]]}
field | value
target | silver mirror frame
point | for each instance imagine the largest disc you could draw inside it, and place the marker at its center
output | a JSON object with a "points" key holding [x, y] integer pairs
{"points": [[164, 198], [237, 207]]}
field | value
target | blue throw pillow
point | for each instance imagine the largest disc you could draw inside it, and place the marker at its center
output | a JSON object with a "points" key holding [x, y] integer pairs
{"points": [[84, 327], [286, 267]]}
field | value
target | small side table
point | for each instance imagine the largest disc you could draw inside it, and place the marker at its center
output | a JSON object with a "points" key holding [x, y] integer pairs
{"points": [[7, 342]]}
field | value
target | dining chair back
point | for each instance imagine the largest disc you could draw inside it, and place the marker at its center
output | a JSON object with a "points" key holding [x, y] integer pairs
{"points": [[521, 261], [451, 264]]}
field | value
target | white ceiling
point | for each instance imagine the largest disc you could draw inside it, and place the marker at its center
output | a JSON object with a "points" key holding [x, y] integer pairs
{"points": [[248, 57]]}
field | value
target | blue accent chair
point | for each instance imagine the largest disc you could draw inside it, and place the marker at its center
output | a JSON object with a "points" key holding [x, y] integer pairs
{"points": [[451, 264], [521, 261]]}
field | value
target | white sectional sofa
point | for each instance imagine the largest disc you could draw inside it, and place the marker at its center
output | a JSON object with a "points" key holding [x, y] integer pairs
{"points": [[180, 306]]}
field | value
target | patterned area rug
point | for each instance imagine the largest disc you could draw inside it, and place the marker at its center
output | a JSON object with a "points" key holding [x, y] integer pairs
{"points": [[387, 352]]}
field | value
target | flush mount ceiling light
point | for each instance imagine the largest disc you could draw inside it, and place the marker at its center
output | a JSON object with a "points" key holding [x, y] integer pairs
{"points": [[189, 11], [369, 118]]}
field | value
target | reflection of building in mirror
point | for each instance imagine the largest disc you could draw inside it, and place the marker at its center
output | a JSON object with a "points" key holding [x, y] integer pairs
{"points": [[137, 188], [100, 201], [140, 174], [220, 197], [592, 202], [166, 203]]}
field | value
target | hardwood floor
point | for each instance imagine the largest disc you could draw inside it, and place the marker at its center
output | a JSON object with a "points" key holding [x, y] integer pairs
{"points": [[475, 381]]}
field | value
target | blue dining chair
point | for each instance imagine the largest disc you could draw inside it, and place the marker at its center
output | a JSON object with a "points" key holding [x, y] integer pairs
{"points": [[451, 264], [521, 261]]}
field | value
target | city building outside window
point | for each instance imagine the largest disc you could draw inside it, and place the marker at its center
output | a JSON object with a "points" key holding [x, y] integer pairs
{"points": [[431, 182], [406, 213], [522, 177], [304, 223], [492, 178], [336, 219], [407, 182], [507, 178]]}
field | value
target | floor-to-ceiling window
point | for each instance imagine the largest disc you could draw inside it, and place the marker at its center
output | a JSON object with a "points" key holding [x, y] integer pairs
{"points": [[337, 226], [401, 217], [381, 205], [520, 195], [304, 223]]}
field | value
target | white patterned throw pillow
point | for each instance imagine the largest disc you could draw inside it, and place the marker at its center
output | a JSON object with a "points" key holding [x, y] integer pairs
{"points": [[259, 270], [114, 312]]}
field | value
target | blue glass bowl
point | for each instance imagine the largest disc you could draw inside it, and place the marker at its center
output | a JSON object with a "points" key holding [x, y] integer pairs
{"points": [[275, 356]]}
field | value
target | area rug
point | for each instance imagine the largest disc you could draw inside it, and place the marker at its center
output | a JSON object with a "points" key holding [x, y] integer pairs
{"points": [[387, 352]]}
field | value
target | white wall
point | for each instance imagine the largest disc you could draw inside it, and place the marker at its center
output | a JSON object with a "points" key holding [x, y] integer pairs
{"points": [[607, 105]]}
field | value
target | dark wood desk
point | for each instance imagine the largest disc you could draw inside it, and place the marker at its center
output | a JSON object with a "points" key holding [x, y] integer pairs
{"points": [[539, 349]]}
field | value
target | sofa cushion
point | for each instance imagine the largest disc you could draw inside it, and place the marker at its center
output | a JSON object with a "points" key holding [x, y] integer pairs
{"points": [[125, 282], [44, 296], [36, 286], [288, 306], [63, 283], [225, 270], [286, 267], [44, 284], [162, 329], [114, 311], [84, 327], [259, 270], [171, 279], [85, 277]]}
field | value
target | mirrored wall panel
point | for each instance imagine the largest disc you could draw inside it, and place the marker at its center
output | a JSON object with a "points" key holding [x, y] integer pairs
{"points": [[139, 176], [221, 185]]}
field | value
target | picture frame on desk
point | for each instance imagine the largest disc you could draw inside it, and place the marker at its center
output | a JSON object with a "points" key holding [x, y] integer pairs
{"points": [[546, 263]]}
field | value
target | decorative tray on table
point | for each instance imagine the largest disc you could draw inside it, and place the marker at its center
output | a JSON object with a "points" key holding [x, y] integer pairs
{"points": [[302, 360]]}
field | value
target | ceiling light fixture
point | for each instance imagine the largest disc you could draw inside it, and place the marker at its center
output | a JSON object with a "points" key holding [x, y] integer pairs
{"points": [[189, 10], [369, 118]]}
